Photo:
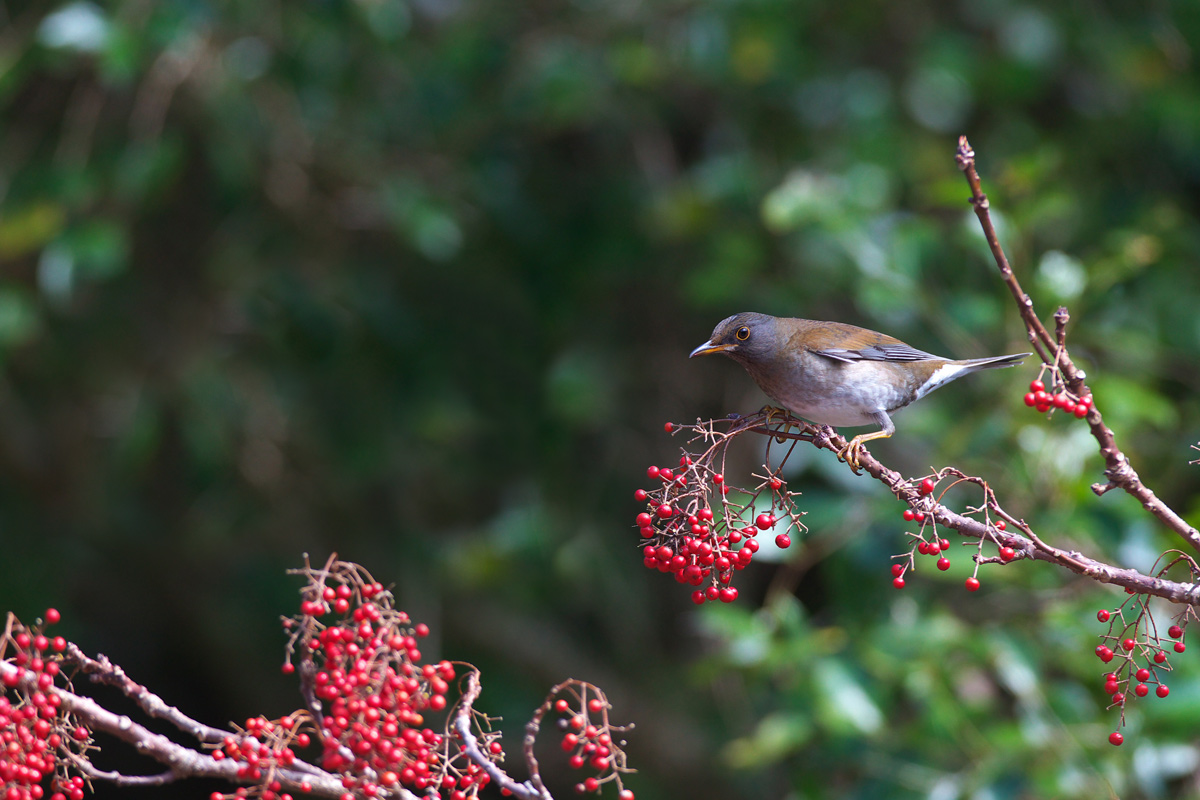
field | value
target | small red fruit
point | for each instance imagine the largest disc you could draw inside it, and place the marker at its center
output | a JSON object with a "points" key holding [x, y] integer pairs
{"points": [[927, 486], [1111, 686], [1142, 674], [1115, 738], [1037, 386], [1160, 657], [897, 570], [943, 564], [651, 472], [909, 515], [765, 521], [898, 582], [1105, 653], [1180, 647], [668, 427], [1030, 400], [972, 584], [783, 541], [1141, 690], [1128, 644], [1174, 631], [1103, 615], [1007, 554], [1162, 690]]}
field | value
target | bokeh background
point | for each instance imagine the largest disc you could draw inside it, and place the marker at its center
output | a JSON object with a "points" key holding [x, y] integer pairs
{"points": [[415, 282]]}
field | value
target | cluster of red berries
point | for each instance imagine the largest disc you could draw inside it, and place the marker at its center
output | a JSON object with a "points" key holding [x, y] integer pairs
{"points": [[36, 736], [685, 538], [591, 745], [265, 745], [1129, 674], [376, 694], [933, 545], [1043, 401]]}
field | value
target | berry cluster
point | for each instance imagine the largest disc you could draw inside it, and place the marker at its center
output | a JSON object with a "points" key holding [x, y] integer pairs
{"points": [[368, 677], [1059, 397], [588, 738], [682, 533], [1140, 656], [37, 738], [926, 540]]}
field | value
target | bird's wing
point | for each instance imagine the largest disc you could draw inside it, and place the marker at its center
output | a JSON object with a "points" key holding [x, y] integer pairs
{"points": [[884, 351]]}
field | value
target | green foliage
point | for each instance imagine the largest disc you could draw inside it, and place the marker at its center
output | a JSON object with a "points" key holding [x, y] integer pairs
{"points": [[416, 282]]}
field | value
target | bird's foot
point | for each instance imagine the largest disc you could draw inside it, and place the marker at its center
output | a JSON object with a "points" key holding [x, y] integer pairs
{"points": [[851, 454]]}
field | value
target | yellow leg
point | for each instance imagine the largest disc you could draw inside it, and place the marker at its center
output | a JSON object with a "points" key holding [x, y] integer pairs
{"points": [[854, 449]]}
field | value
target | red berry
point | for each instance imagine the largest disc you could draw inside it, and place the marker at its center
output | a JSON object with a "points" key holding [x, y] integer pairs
{"points": [[775, 484], [652, 472], [765, 521], [1111, 686], [666, 475], [698, 597], [1128, 644], [1174, 631], [920, 515], [972, 584], [1001, 524], [927, 486], [1080, 411], [52, 616], [718, 478], [923, 547], [1037, 386], [1141, 690], [643, 519], [1160, 657], [898, 582], [640, 495], [1086, 401], [1007, 554], [943, 564], [909, 515], [1162, 690], [897, 570], [1142, 674], [944, 544], [1102, 615], [668, 427], [1118, 699], [1105, 653], [728, 594], [664, 511], [1180, 647], [1115, 738], [783, 541], [1030, 400]]}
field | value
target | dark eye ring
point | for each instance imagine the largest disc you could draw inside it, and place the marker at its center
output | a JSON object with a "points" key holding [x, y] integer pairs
{"points": [[743, 333]]}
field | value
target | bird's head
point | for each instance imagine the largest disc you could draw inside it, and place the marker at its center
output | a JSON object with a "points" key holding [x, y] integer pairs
{"points": [[747, 337]]}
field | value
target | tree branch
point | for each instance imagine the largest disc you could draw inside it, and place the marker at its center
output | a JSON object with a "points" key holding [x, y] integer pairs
{"points": [[1117, 467]]}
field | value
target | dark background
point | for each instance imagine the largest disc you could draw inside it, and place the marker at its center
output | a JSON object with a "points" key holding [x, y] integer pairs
{"points": [[416, 282]]}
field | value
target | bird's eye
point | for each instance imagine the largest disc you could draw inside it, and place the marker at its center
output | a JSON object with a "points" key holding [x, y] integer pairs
{"points": [[743, 333]]}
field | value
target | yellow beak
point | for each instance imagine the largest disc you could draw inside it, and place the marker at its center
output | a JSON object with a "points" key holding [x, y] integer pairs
{"points": [[708, 348]]}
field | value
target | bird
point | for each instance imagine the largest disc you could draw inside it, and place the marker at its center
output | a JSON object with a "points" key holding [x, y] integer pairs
{"points": [[836, 374]]}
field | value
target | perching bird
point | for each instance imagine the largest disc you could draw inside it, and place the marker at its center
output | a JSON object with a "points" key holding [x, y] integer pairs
{"points": [[835, 374]]}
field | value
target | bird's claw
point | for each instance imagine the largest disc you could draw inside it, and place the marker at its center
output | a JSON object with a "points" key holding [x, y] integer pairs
{"points": [[851, 454]]}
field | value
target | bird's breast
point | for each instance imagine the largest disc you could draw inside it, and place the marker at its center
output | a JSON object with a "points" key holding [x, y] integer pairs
{"points": [[836, 393]]}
